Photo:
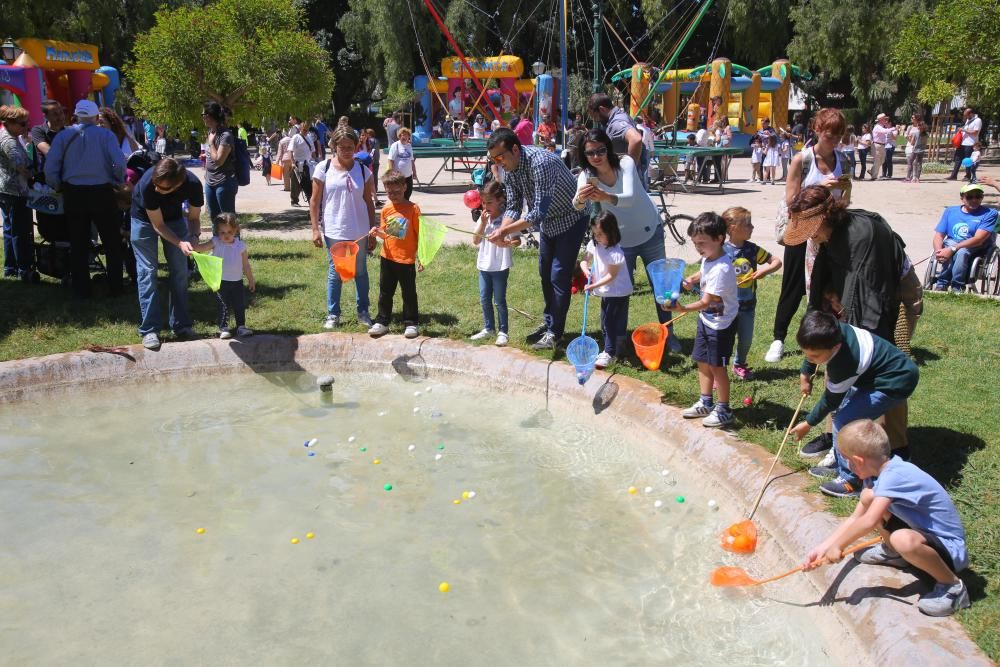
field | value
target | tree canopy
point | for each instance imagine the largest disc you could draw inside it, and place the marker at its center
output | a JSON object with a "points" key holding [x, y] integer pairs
{"points": [[252, 56], [954, 49]]}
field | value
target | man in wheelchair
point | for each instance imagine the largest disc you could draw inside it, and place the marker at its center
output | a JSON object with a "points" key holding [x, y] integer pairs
{"points": [[964, 233]]}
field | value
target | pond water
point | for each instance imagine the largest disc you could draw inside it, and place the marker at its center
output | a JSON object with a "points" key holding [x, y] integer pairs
{"points": [[549, 559]]}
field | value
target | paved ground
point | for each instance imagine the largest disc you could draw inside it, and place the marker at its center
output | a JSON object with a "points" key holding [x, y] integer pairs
{"points": [[912, 209]]}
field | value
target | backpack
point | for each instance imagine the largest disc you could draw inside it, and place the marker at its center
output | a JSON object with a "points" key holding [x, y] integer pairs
{"points": [[242, 162]]}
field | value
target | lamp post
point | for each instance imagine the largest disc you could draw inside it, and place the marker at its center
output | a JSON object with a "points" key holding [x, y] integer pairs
{"points": [[9, 50]]}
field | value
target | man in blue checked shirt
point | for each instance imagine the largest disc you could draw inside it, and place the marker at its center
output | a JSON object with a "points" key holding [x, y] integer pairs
{"points": [[84, 162], [538, 180]]}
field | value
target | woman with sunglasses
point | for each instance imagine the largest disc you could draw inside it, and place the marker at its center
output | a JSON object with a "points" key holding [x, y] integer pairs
{"points": [[613, 184], [158, 213], [15, 172], [220, 162]]}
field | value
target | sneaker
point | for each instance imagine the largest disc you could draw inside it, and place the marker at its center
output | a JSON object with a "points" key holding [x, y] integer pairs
{"points": [[244, 332], [603, 360], [537, 334], [331, 322], [839, 488], [501, 339], [828, 461], [774, 352], [411, 332], [365, 319], [699, 409], [881, 554], [151, 341], [225, 334], [718, 418], [186, 332], [546, 342], [485, 333], [742, 372], [823, 472], [377, 330], [944, 599], [817, 446]]}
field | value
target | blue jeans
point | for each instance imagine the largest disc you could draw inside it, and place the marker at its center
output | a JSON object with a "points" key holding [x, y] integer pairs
{"points": [[556, 262], [650, 251], [956, 272], [744, 335], [614, 323], [221, 198], [18, 237], [144, 242], [858, 404], [334, 283], [493, 291]]}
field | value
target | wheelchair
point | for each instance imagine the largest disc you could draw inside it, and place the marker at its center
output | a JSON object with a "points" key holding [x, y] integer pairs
{"points": [[984, 273]]}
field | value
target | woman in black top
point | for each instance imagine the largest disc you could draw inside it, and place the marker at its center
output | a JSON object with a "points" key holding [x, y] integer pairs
{"points": [[220, 162]]}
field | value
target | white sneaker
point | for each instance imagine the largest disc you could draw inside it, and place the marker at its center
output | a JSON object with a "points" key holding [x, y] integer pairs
{"points": [[603, 360], [699, 409], [717, 418], [411, 332], [151, 341], [244, 332], [774, 352], [485, 333], [501, 339], [225, 334], [331, 321], [829, 461], [377, 330]]}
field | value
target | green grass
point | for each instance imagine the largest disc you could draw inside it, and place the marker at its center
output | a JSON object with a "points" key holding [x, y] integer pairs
{"points": [[953, 420]]}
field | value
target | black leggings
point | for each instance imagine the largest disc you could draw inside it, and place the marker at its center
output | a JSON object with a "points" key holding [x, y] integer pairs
{"points": [[391, 275], [793, 288], [230, 296]]}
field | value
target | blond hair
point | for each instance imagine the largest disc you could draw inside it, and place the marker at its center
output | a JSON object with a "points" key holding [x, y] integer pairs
{"points": [[735, 215], [16, 114], [343, 132], [866, 439]]}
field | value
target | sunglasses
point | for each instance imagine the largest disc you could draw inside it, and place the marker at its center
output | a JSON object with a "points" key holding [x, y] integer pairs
{"points": [[498, 158], [597, 152]]}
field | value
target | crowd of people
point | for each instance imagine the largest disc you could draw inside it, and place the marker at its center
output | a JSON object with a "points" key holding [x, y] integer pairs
{"points": [[863, 294]]}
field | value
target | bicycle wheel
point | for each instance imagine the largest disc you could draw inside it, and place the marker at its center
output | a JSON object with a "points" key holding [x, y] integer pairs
{"points": [[672, 226]]}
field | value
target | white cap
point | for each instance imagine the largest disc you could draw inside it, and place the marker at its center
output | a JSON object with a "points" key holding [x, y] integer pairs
{"points": [[86, 109]]}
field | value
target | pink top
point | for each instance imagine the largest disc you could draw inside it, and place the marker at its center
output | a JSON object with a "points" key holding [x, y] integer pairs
{"points": [[523, 132]]}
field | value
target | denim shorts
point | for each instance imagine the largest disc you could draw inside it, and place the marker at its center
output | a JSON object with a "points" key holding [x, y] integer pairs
{"points": [[714, 347], [894, 523]]}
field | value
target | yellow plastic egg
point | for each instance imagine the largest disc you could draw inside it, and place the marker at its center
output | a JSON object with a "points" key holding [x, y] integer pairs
{"points": [[444, 587], [200, 531], [309, 536], [632, 490], [295, 540]]}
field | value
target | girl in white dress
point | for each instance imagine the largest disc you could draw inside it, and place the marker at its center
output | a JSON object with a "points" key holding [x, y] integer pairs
{"points": [[772, 158]]}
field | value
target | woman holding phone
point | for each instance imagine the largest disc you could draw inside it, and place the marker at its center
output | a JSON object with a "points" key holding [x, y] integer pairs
{"points": [[613, 184]]}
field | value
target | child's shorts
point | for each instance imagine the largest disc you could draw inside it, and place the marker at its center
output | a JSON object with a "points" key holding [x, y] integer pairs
{"points": [[894, 523], [713, 347]]}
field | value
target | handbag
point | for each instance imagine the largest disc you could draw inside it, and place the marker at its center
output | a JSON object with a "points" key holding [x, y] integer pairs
{"points": [[956, 139], [46, 201]]}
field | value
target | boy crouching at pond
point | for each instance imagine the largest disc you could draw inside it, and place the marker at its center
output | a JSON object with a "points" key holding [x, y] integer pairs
{"points": [[915, 516]]}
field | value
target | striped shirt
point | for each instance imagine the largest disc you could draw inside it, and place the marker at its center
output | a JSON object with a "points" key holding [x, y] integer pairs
{"points": [[543, 183]]}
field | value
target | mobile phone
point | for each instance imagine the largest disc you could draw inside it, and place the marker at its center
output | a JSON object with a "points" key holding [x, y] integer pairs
{"points": [[593, 181]]}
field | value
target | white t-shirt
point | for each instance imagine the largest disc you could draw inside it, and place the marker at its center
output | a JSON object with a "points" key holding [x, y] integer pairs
{"points": [[719, 278], [975, 156], [970, 131], [701, 137], [343, 211], [300, 148], [401, 155], [491, 256], [232, 257], [602, 259], [478, 130], [648, 138]]}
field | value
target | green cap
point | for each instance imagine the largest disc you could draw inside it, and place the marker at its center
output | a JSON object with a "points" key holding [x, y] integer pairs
{"points": [[972, 187]]}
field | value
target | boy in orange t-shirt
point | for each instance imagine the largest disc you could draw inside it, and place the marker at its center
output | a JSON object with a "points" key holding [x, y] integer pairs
{"points": [[398, 230]]}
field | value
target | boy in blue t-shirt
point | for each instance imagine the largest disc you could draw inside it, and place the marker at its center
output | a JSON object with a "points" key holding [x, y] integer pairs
{"points": [[750, 263], [963, 233], [916, 518]]}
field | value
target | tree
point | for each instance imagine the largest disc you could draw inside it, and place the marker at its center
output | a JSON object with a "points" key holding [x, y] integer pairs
{"points": [[249, 55], [843, 38], [954, 48]]}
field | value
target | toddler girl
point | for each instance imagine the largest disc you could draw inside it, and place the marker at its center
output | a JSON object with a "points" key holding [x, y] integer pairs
{"points": [[493, 262], [756, 158], [235, 265], [977, 151], [604, 266], [772, 158]]}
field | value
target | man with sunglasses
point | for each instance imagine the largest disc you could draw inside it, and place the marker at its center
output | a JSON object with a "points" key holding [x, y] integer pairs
{"points": [[539, 181], [963, 233]]}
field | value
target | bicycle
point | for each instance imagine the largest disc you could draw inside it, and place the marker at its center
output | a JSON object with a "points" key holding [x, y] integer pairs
{"points": [[668, 220]]}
